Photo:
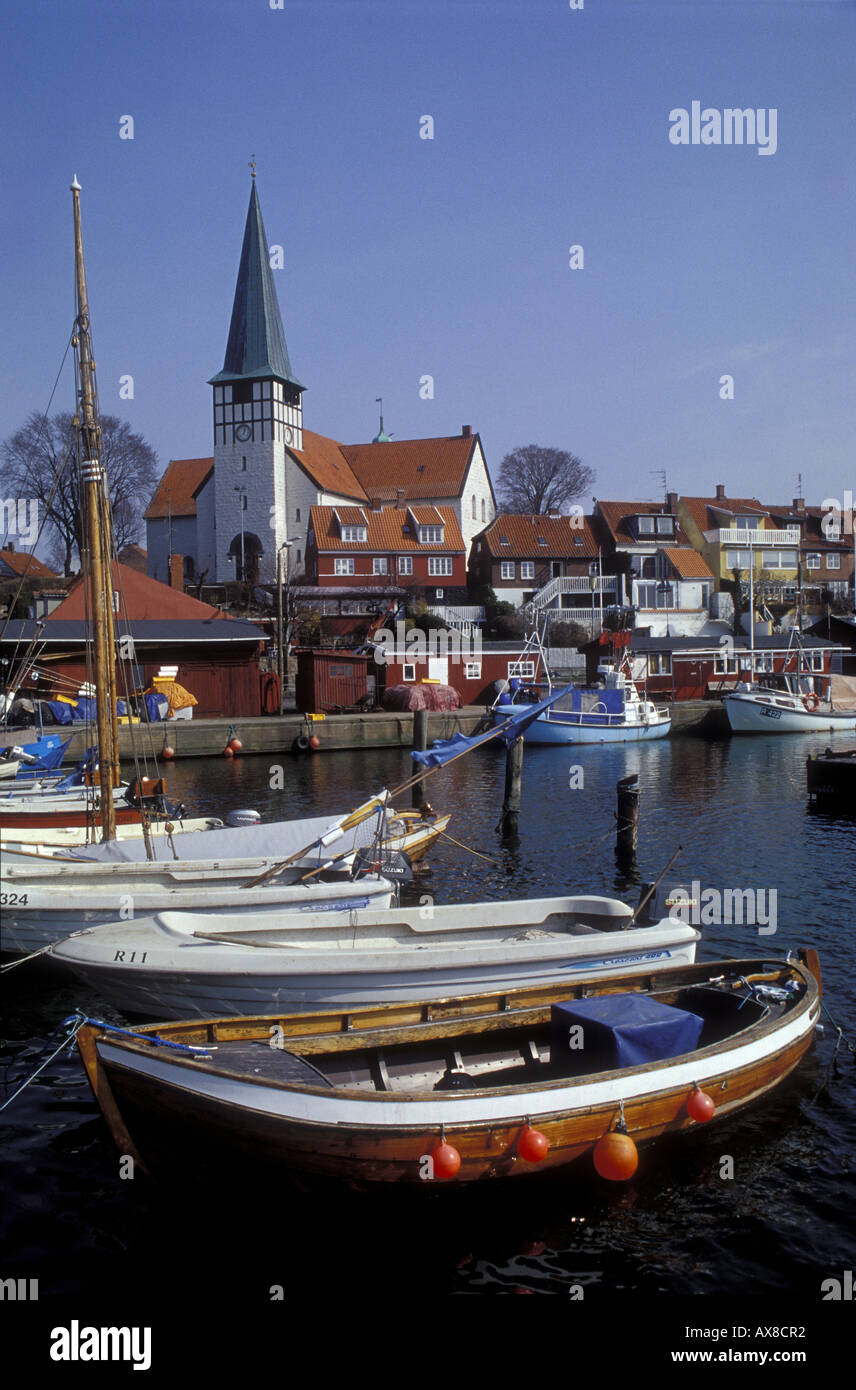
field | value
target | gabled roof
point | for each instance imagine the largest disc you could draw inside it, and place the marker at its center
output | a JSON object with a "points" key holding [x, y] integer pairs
{"points": [[256, 346], [20, 562], [323, 461], [688, 563], [518, 536], [707, 512], [175, 494], [617, 517], [350, 516], [426, 516], [386, 531], [813, 534], [422, 467], [140, 598]]}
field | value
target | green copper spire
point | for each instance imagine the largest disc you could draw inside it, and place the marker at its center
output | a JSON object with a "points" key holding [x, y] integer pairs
{"points": [[256, 346]]}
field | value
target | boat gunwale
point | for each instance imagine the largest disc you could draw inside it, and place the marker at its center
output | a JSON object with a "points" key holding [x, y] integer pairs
{"points": [[357, 1039]]}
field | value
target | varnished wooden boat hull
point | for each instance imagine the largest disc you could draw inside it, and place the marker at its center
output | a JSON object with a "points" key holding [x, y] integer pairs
{"points": [[156, 1113]]}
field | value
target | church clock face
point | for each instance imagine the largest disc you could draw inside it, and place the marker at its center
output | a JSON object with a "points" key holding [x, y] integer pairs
{"points": [[243, 432], [289, 435]]}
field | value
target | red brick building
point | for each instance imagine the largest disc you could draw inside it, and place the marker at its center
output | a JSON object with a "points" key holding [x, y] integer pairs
{"points": [[410, 545]]}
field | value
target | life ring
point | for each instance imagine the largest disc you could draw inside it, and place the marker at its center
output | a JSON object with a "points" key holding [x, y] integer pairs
{"points": [[811, 703]]}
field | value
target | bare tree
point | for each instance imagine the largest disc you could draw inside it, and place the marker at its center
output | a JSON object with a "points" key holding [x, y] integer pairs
{"points": [[40, 462], [533, 480]]}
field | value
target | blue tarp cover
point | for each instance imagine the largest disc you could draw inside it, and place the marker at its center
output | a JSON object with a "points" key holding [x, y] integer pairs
{"points": [[509, 726], [625, 1030]]}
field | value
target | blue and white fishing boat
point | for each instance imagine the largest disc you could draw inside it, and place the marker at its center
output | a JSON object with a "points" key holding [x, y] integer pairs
{"points": [[612, 711]]}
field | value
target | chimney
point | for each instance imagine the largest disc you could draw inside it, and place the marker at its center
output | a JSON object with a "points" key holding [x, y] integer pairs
{"points": [[720, 492], [799, 504], [375, 504], [10, 546], [399, 499], [466, 431], [176, 572], [672, 502]]}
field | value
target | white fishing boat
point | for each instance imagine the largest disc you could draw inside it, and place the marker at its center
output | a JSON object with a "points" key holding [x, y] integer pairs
{"points": [[24, 843], [178, 965], [612, 711], [789, 704]]}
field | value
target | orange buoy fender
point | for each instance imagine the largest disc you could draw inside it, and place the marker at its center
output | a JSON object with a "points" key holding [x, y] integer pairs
{"points": [[446, 1160], [168, 753], [227, 752], [700, 1106], [235, 744], [616, 1157], [532, 1145], [315, 743]]}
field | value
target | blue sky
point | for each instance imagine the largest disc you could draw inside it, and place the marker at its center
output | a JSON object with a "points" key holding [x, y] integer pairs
{"points": [[449, 257]]}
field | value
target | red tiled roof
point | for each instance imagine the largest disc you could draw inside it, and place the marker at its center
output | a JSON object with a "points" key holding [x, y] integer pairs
{"points": [[705, 510], [689, 564], [325, 462], [422, 467], [351, 516], [426, 516], [617, 517], [813, 533], [175, 494], [385, 531], [21, 561], [524, 535], [140, 598]]}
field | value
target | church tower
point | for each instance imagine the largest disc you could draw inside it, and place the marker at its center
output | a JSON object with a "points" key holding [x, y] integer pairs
{"points": [[258, 413]]}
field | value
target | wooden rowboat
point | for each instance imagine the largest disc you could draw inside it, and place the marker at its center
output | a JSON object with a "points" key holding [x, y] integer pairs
{"points": [[369, 1095]]}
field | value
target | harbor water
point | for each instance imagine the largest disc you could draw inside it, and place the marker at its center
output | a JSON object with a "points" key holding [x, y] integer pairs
{"points": [[778, 1220]]}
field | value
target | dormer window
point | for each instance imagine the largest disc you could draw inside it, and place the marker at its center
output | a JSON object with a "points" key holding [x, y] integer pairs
{"points": [[665, 525], [542, 540], [645, 525], [503, 540], [746, 523], [578, 540], [354, 533], [431, 535]]}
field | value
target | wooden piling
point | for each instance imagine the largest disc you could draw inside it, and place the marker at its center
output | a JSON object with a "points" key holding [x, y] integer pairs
{"points": [[627, 818], [513, 787], [420, 741]]}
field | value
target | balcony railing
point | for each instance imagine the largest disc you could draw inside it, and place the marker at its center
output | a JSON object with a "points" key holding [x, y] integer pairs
{"points": [[739, 537]]}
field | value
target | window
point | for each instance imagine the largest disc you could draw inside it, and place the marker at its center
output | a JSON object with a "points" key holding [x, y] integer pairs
{"points": [[542, 540], [475, 506], [243, 464], [645, 525], [659, 664], [430, 535], [299, 559], [409, 672], [484, 518], [737, 559], [746, 523], [243, 501], [779, 559], [526, 669], [343, 566], [506, 569], [646, 595], [649, 567], [379, 564], [817, 661], [297, 514], [833, 562], [439, 593], [503, 540], [353, 533], [527, 569], [813, 561], [405, 564], [440, 564], [724, 665], [665, 526], [472, 670]]}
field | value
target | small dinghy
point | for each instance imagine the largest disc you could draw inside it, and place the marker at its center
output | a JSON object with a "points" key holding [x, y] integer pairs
{"points": [[177, 964], [487, 1086]]}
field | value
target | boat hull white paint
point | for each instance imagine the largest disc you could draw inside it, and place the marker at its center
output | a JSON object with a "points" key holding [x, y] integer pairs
{"points": [[749, 714]]}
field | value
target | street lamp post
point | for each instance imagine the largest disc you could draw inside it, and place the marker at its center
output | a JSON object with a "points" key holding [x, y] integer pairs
{"points": [[242, 493], [282, 628]]}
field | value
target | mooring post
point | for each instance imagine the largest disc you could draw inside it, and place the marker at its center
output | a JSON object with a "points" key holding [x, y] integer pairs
{"points": [[420, 741], [513, 787], [627, 818]]}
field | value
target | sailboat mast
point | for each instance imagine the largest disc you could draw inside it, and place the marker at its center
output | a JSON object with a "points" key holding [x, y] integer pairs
{"points": [[93, 496]]}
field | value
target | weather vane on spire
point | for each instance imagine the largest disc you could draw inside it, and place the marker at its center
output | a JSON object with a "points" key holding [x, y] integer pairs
{"points": [[253, 166]]}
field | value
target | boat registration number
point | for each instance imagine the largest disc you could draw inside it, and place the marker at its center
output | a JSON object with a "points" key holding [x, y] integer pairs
{"points": [[770, 713], [14, 899]]}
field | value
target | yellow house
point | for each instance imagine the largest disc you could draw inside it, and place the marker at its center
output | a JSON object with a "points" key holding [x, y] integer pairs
{"points": [[739, 533]]}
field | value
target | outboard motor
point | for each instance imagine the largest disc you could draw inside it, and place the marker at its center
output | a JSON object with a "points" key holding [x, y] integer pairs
{"points": [[670, 893], [236, 818]]}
